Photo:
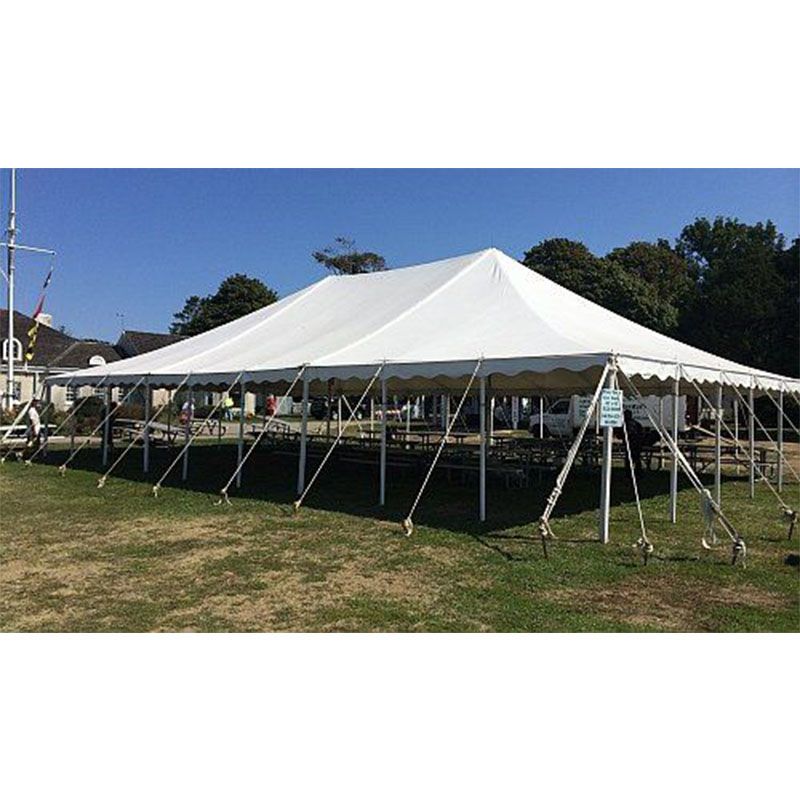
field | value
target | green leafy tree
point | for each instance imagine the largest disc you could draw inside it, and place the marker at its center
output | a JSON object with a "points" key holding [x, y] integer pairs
{"points": [[342, 258], [236, 296], [746, 303], [611, 282]]}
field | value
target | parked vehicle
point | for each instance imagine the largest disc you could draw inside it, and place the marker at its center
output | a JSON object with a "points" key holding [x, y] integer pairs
{"points": [[565, 415]]}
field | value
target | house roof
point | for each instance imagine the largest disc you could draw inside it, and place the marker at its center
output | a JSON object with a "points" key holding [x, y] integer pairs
{"points": [[135, 343], [78, 353], [54, 348]]}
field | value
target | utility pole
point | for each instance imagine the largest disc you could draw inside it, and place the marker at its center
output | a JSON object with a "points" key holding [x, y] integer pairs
{"points": [[11, 248]]}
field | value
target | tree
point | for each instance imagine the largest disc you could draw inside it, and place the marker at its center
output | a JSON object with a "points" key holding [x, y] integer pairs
{"points": [[746, 303], [342, 258], [613, 283], [673, 277], [236, 296]]}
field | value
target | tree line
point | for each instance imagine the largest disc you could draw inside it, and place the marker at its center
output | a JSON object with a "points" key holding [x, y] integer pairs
{"points": [[723, 285]]}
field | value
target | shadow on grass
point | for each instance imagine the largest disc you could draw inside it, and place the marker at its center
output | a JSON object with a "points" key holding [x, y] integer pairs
{"points": [[352, 488]]}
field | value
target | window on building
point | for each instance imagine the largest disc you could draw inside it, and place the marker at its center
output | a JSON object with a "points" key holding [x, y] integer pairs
{"points": [[69, 393], [17, 350]]}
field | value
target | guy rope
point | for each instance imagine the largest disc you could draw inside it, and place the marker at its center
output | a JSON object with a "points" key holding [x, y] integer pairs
{"points": [[63, 468], [297, 503], [545, 531], [643, 543], [144, 430], [408, 524], [789, 513], [200, 427], [739, 550], [66, 419], [268, 421]]}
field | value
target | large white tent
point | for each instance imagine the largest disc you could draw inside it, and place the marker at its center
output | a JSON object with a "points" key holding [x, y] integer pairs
{"points": [[428, 324], [480, 322]]}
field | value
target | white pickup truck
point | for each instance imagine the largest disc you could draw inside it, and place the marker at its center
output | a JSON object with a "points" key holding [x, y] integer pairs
{"points": [[564, 416]]}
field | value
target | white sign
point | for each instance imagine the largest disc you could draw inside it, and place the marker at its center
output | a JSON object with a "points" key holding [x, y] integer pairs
{"points": [[611, 408]]}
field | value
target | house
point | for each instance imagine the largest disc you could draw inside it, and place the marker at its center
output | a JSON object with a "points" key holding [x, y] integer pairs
{"points": [[55, 352]]}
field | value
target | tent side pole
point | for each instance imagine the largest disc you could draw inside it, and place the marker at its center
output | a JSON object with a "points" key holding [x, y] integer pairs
{"points": [[301, 464], [780, 441], [240, 443], [718, 446], [483, 449], [736, 430], [187, 428], [106, 429], [673, 480], [541, 417], [605, 477], [751, 437], [382, 491], [146, 436]]}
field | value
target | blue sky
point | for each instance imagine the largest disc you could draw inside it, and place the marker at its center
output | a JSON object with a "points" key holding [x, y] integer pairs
{"points": [[138, 242]]}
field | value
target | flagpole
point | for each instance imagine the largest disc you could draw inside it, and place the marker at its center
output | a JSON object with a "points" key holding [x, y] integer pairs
{"points": [[12, 240], [11, 248]]}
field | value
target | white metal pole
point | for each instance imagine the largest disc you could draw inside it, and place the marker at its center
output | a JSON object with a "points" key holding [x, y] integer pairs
{"points": [[673, 478], [541, 417], [301, 464], [718, 447], [408, 415], [780, 441], [240, 445], [382, 493], [605, 478], [187, 429], [483, 449], [146, 435], [751, 436], [371, 414], [107, 429], [736, 431], [491, 418], [338, 416], [12, 238]]}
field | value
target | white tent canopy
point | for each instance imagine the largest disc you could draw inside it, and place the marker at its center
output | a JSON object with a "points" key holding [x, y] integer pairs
{"points": [[428, 325]]}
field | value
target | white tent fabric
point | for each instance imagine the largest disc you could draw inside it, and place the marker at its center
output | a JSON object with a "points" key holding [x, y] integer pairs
{"points": [[429, 324]]}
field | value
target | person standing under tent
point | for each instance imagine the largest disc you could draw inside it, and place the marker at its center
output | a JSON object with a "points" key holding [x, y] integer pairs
{"points": [[187, 413], [228, 406], [271, 405], [34, 432], [635, 440]]}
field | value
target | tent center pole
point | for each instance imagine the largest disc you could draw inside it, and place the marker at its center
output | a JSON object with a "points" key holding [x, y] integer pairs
{"points": [[382, 492], [673, 478], [301, 464], [605, 476]]}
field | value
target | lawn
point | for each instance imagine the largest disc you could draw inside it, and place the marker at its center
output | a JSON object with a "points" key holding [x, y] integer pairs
{"points": [[75, 558]]}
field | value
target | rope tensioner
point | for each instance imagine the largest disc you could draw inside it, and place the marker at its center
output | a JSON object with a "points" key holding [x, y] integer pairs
{"points": [[646, 548], [739, 552], [791, 516], [408, 526], [223, 498], [545, 534]]}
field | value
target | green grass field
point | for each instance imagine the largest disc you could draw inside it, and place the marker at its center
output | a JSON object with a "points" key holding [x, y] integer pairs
{"points": [[75, 558]]}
